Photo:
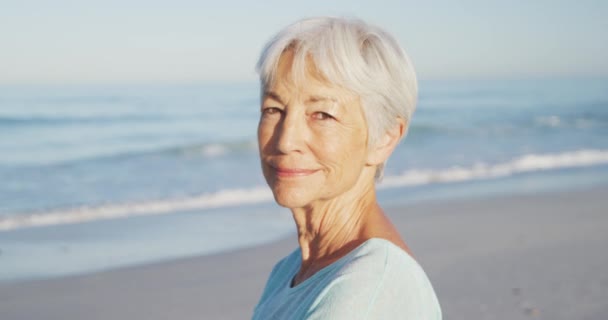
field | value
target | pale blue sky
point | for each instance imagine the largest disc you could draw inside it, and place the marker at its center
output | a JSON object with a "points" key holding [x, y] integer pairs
{"points": [[180, 41]]}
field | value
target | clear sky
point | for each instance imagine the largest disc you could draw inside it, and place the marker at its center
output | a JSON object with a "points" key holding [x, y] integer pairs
{"points": [[181, 41]]}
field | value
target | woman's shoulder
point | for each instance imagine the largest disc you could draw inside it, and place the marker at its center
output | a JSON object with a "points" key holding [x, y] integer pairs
{"points": [[380, 255], [381, 263], [382, 281]]}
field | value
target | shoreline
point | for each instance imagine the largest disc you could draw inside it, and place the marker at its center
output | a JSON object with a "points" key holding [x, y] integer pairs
{"points": [[499, 257]]}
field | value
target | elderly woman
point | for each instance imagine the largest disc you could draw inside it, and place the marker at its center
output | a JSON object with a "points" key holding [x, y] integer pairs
{"points": [[337, 96]]}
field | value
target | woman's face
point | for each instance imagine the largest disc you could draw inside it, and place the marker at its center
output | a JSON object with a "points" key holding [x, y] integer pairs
{"points": [[312, 138]]}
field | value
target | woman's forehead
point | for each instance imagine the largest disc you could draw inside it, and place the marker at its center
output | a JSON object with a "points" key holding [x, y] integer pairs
{"points": [[305, 79], [309, 91]]}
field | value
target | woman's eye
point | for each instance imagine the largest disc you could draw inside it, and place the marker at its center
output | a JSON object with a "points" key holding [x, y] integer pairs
{"points": [[271, 111], [321, 116]]}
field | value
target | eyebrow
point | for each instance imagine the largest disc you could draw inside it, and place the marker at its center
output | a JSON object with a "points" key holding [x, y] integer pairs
{"points": [[312, 99], [321, 98]]}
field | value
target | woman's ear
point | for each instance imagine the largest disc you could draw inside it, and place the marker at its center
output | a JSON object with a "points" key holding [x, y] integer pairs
{"points": [[379, 153]]}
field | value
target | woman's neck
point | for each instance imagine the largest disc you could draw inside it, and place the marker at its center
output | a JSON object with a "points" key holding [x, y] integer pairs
{"points": [[328, 230]]}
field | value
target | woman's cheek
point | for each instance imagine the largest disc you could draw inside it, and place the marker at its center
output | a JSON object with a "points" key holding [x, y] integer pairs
{"points": [[266, 127]]}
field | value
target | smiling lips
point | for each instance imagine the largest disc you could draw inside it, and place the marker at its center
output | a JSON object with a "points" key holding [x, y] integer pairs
{"points": [[292, 172]]}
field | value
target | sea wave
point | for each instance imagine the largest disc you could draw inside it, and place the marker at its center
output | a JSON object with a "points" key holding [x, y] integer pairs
{"points": [[522, 164], [60, 120], [201, 150], [222, 198], [261, 194], [214, 149], [585, 121]]}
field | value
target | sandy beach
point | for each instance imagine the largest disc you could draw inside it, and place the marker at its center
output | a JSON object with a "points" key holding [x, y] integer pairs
{"points": [[510, 257]]}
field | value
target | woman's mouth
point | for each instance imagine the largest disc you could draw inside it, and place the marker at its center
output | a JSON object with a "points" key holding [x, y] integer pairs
{"points": [[283, 172]]}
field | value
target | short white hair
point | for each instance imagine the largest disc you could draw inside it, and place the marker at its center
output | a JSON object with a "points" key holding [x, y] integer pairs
{"points": [[352, 54]]}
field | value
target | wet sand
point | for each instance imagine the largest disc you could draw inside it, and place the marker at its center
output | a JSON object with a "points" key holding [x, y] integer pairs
{"points": [[512, 257]]}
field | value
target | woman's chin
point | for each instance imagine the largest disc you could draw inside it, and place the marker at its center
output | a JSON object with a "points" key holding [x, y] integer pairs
{"points": [[292, 198]]}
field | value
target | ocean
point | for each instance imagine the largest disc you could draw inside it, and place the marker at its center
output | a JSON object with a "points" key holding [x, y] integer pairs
{"points": [[99, 177]]}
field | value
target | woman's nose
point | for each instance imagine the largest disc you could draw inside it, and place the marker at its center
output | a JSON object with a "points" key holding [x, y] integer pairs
{"points": [[291, 133]]}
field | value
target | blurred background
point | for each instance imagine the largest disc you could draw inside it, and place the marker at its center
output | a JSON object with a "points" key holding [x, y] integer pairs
{"points": [[127, 128]]}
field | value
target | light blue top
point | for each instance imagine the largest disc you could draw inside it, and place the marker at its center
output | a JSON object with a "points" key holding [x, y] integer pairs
{"points": [[377, 280]]}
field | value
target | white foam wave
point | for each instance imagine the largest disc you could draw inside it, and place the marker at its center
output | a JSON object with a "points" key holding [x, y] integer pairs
{"points": [[218, 149], [83, 214], [235, 197], [578, 123], [526, 163], [549, 121], [214, 150]]}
